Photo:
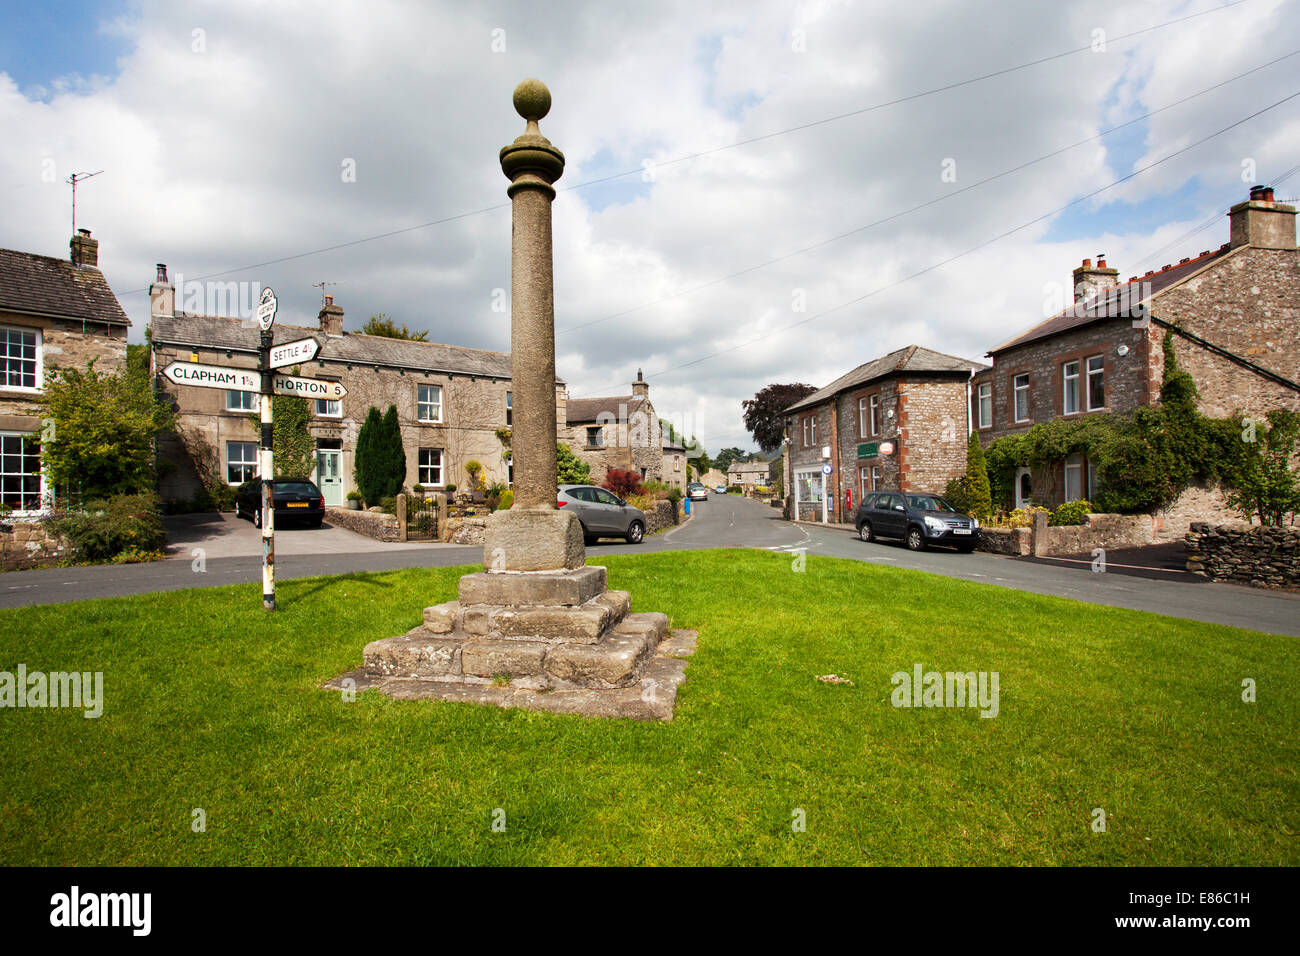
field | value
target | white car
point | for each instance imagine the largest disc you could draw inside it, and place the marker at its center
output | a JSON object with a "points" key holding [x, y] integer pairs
{"points": [[697, 492]]}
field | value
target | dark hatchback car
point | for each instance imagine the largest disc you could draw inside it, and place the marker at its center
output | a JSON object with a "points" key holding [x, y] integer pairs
{"points": [[294, 501], [919, 520]]}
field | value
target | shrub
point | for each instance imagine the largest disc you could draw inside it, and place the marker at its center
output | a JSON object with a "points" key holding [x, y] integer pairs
{"points": [[506, 501], [493, 494], [979, 495], [1070, 513], [107, 528], [570, 469], [474, 469], [674, 495], [735, 490], [451, 488], [623, 483], [388, 504], [955, 494], [134, 555], [355, 496]]}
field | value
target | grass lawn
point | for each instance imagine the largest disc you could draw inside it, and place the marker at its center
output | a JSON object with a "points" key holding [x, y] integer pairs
{"points": [[213, 704]]}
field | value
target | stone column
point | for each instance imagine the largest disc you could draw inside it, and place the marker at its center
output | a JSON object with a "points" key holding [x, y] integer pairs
{"points": [[533, 535]]}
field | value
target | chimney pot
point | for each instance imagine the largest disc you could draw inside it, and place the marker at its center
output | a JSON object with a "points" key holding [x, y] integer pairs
{"points": [[85, 250], [331, 317], [1089, 280], [161, 277]]}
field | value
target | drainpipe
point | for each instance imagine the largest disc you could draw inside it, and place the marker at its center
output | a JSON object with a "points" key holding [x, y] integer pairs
{"points": [[835, 447]]}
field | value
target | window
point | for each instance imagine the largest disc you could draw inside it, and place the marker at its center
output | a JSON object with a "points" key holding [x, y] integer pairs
{"points": [[430, 466], [241, 461], [862, 418], [510, 471], [20, 360], [1020, 388], [595, 437], [986, 405], [811, 422], [1074, 478], [875, 414], [808, 486], [429, 401], [866, 483], [510, 409], [602, 497], [805, 433], [329, 408], [1070, 401], [1096, 383], [20, 472], [237, 401]]}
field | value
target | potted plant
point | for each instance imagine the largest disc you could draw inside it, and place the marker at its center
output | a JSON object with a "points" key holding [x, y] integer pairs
{"points": [[354, 501]]}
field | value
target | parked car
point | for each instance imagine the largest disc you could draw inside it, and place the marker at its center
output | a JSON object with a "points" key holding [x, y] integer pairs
{"points": [[602, 513], [696, 491], [919, 520], [721, 490], [293, 501]]}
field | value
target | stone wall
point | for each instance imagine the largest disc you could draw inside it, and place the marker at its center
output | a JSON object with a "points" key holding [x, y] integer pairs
{"points": [[661, 516], [372, 524], [29, 544], [1100, 531], [466, 531], [1262, 557], [1004, 540]]}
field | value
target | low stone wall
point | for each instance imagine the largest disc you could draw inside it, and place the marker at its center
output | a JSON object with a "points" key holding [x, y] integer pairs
{"points": [[1100, 531], [29, 544], [372, 524], [1262, 557], [465, 531], [661, 516], [1004, 540]]}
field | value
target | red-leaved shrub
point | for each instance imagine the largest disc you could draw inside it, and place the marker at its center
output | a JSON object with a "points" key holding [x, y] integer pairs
{"points": [[623, 483]]}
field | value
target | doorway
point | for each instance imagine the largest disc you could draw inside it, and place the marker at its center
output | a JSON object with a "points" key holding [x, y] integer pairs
{"points": [[329, 475]]}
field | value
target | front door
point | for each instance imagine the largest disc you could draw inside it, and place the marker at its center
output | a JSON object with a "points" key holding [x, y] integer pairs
{"points": [[1024, 488], [329, 475]]}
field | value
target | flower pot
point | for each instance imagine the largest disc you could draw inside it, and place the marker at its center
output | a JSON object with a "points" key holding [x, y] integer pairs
{"points": [[354, 505]]}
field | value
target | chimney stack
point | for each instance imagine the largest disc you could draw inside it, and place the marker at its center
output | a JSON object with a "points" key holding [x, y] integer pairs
{"points": [[85, 251], [162, 294], [331, 317], [1262, 222], [640, 388], [1088, 281]]}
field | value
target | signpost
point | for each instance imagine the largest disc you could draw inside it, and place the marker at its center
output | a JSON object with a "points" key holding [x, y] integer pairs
{"points": [[291, 353], [265, 317]]}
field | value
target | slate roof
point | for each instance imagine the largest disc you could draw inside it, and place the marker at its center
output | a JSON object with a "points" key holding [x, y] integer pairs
{"points": [[1117, 302], [582, 410], [44, 285], [912, 358], [219, 332]]}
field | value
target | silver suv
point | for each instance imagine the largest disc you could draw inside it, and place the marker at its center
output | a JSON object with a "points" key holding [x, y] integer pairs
{"points": [[602, 513]]}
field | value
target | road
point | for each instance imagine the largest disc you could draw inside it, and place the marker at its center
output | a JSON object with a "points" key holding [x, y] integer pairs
{"points": [[231, 555]]}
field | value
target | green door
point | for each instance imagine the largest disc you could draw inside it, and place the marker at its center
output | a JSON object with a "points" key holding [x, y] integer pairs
{"points": [[329, 475]]}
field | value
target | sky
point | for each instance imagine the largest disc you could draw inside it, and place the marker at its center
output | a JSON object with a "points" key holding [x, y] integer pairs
{"points": [[754, 192]]}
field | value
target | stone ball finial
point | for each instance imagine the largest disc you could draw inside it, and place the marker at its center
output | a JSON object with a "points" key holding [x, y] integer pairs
{"points": [[532, 100]]}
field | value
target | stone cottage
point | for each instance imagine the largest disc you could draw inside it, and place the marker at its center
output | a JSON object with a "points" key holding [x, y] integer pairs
{"points": [[897, 422], [1235, 315], [620, 431], [53, 312], [451, 401]]}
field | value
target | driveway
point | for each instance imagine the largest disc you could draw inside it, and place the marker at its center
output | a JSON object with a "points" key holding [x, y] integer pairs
{"points": [[225, 536]]}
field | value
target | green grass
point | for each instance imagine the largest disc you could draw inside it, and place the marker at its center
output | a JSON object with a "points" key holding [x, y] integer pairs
{"points": [[212, 703]]}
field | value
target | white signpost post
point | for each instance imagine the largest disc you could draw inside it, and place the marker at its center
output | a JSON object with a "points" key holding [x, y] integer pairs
{"points": [[266, 381]]}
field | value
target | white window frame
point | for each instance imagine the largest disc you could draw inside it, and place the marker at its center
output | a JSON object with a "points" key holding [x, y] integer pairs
{"points": [[805, 432], [252, 405], [1070, 384], [44, 493], [983, 400], [862, 417], [421, 467], [510, 409], [421, 404], [1016, 390], [39, 376], [334, 403], [1100, 371], [813, 428], [874, 405], [243, 462]]}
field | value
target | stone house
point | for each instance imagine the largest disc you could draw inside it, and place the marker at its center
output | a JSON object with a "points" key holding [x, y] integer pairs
{"points": [[451, 401], [620, 431], [53, 312], [1235, 315], [674, 465], [896, 422], [748, 474]]}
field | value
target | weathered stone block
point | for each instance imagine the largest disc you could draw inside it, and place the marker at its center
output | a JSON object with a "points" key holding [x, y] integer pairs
{"points": [[573, 587], [489, 658], [413, 654], [615, 662], [522, 539], [582, 625], [441, 618]]}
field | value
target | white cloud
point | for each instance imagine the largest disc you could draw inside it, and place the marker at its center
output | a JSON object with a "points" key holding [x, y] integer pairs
{"points": [[232, 156]]}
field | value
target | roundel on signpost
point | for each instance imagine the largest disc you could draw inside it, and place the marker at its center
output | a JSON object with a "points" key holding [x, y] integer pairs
{"points": [[886, 447], [266, 309], [826, 469]]}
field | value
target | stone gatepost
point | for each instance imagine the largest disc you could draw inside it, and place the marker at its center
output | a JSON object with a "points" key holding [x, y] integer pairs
{"points": [[537, 628]]}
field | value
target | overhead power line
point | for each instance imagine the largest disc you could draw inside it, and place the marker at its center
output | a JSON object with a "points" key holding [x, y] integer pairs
{"points": [[975, 248], [717, 149]]}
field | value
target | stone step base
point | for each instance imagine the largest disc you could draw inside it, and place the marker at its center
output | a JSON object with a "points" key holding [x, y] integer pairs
{"points": [[585, 623], [653, 696], [617, 659]]}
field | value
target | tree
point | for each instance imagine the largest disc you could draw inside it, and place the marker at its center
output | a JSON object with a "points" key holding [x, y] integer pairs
{"points": [[1265, 486], [729, 456], [394, 454], [979, 498], [382, 324], [623, 483], [570, 469], [380, 459], [100, 441], [765, 412]]}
